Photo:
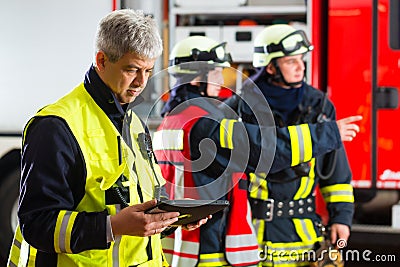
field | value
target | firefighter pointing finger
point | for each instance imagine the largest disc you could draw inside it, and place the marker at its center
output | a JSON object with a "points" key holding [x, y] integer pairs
{"points": [[205, 152]]}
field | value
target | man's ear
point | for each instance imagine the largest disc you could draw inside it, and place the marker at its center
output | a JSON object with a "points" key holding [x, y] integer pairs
{"points": [[101, 59], [270, 69]]}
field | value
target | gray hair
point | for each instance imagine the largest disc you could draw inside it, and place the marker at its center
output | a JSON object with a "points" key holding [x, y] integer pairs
{"points": [[128, 31]]}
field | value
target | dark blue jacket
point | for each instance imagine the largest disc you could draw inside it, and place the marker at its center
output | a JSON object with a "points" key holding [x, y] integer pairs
{"points": [[258, 149]]}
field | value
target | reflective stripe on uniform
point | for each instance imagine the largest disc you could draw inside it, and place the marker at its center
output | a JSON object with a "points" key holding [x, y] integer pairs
{"points": [[226, 133], [300, 139], [284, 261], [306, 183], [212, 260], [63, 231], [291, 253], [168, 140], [258, 186], [338, 193], [259, 226], [287, 254], [305, 229]]}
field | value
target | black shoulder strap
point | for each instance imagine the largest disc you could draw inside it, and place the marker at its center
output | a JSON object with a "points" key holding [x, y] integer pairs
{"points": [[208, 104], [322, 116]]}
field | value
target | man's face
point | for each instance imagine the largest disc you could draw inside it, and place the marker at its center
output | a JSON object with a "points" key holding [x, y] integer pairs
{"points": [[292, 68], [127, 77]]}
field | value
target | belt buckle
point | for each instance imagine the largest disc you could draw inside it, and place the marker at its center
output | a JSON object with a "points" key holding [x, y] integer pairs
{"points": [[269, 215]]}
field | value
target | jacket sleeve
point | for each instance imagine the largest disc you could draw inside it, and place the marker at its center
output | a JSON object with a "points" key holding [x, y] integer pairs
{"points": [[52, 185], [242, 146], [336, 189], [335, 176]]}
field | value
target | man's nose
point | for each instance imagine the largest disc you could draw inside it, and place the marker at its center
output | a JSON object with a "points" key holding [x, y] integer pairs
{"points": [[139, 80], [301, 64]]}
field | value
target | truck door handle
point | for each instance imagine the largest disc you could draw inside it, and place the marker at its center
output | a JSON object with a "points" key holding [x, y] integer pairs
{"points": [[387, 98]]}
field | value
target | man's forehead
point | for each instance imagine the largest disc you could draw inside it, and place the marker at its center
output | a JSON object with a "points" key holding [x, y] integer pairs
{"points": [[134, 60], [285, 58]]}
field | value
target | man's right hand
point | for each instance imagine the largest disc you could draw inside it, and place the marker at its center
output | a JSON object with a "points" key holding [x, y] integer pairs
{"points": [[133, 221], [347, 128]]}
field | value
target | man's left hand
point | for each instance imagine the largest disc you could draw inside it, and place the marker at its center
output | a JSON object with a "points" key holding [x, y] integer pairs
{"points": [[193, 226], [339, 231]]}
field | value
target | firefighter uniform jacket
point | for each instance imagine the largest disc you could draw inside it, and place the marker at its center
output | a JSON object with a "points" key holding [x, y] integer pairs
{"points": [[228, 238], [289, 230], [63, 218]]}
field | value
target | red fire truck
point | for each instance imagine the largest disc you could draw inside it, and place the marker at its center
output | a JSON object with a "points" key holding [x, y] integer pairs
{"points": [[357, 61]]}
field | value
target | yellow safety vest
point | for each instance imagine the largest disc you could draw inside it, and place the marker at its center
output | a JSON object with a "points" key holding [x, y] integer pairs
{"points": [[98, 139]]}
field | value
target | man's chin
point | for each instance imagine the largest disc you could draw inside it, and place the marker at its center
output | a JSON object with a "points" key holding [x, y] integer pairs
{"points": [[131, 99]]}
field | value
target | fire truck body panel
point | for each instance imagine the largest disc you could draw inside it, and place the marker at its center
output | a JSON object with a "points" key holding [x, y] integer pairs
{"points": [[348, 77]]}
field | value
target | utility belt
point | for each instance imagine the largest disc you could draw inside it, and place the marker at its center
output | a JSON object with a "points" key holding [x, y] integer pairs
{"points": [[271, 209]]}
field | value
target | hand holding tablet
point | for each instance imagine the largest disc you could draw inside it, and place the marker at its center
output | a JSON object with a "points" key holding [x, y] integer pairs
{"points": [[190, 210]]}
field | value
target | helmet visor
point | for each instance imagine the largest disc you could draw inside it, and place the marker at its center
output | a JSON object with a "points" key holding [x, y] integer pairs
{"points": [[219, 53], [289, 44], [216, 54]]}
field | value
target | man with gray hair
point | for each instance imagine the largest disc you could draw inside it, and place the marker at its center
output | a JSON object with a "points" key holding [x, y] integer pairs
{"points": [[85, 184]]}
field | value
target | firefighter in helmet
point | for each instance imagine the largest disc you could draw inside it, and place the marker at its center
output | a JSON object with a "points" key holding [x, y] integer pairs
{"points": [[203, 154], [283, 202]]}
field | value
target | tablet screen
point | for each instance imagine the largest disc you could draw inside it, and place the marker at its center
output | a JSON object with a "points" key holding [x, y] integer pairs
{"points": [[190, 210]]}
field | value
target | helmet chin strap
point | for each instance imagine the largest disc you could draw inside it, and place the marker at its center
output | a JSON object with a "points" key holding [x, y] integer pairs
{"points": [[203, 84], [279, 78]]}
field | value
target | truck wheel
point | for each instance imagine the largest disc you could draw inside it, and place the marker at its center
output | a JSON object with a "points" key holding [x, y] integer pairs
{"points": [[9, 191]]}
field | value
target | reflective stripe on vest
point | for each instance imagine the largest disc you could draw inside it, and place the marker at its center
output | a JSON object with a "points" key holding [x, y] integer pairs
{"points": [[168, 140], [179, 252], [22, 254], [182, 247], [171, 140], [300, 139], [241, 241]]}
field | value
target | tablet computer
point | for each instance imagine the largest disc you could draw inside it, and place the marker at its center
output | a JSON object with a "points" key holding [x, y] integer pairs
{"points": [[191, 210]]}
